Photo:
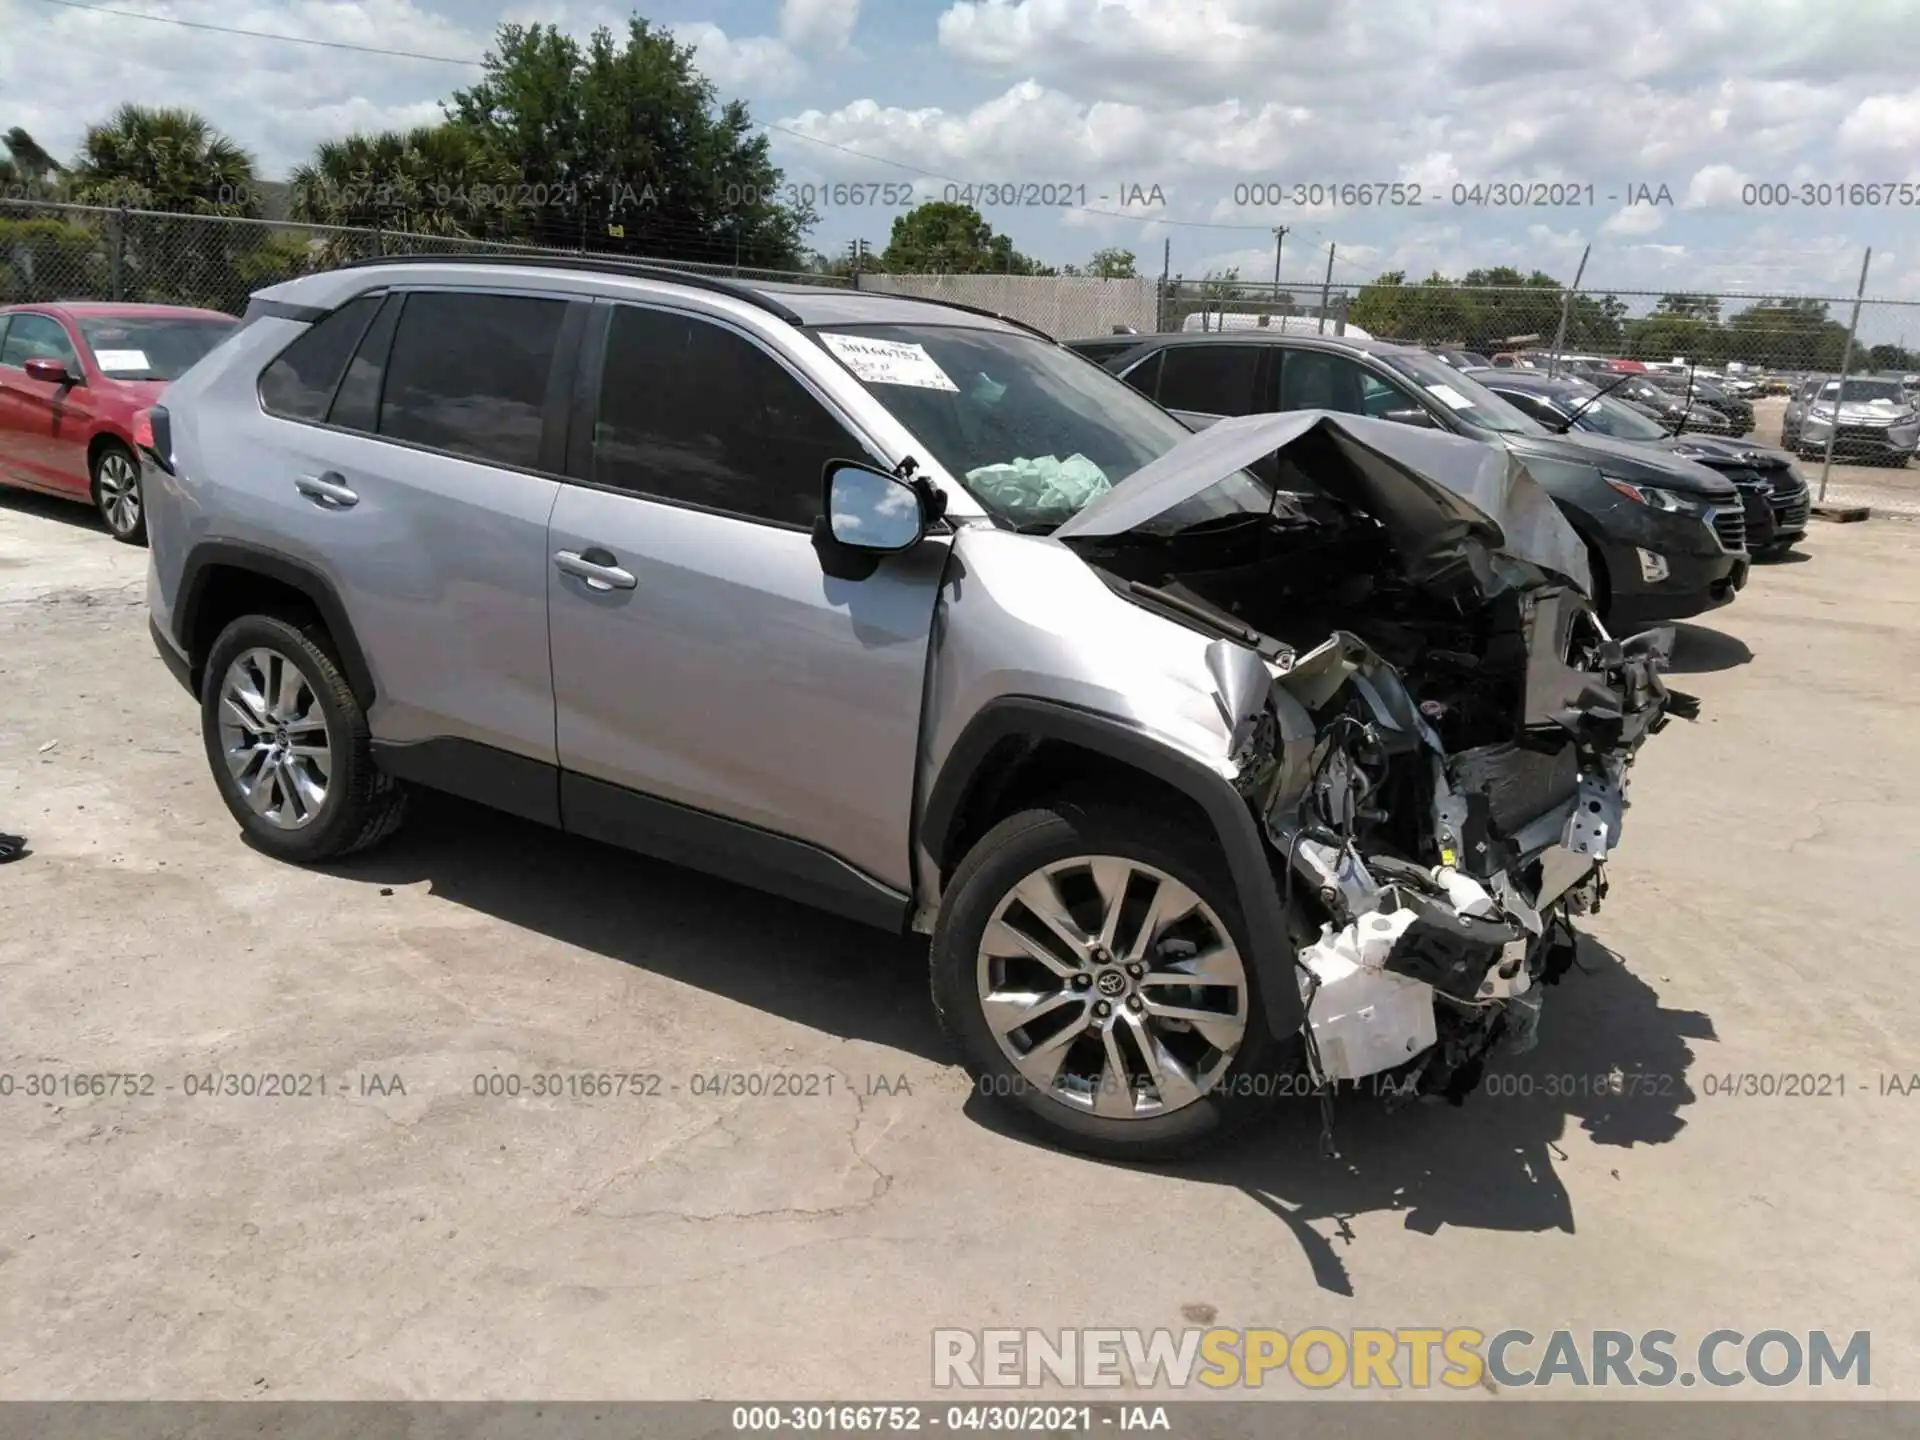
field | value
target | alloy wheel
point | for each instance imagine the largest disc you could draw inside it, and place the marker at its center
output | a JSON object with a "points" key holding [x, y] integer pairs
{"points": [[273, 734], [119, 492], [1112, 987]]}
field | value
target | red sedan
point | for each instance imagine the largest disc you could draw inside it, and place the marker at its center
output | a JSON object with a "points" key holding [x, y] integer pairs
{"points": [[74, 379]]}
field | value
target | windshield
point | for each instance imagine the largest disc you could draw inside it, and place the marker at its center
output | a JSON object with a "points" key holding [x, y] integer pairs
{"points": [[1467, 398], [1034, 431], [151, 348], [1865, 392], [1607, 416]]}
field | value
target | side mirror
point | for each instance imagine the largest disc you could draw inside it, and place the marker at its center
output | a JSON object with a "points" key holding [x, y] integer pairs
{"points": [[868, 515], [1416, 417], [49, 372]]}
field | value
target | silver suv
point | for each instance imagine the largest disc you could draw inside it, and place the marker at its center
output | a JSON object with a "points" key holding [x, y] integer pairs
{"points": [[1208, 787]]}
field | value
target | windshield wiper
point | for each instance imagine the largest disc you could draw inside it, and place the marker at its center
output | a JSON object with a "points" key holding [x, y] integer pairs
{"points": [[1214, 620], [1592, 400]]}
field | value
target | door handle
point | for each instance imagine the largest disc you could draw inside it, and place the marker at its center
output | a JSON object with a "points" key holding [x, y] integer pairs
{"points": [[596, 566], [328, 490]]}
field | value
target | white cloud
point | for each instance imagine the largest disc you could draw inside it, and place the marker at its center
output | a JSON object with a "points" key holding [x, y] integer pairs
{"points": [[1884, 126], [1715, 185], [1633, 220], [761, 63], [822, 24]]}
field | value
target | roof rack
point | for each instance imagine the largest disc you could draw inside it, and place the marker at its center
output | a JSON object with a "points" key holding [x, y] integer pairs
{"points": [[605, 266]]}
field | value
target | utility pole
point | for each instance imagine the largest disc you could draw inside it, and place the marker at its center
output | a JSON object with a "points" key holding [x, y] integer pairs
{"points": [[1326, 289], [1279, 239], [1161, 307], [1566, 303], [1840, 386]]}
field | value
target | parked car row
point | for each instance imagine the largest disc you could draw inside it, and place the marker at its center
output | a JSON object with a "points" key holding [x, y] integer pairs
{"points": [[1670, 524]]}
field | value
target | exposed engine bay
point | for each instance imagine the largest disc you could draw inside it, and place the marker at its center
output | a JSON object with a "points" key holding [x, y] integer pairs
{"points": [[1433, 729]]}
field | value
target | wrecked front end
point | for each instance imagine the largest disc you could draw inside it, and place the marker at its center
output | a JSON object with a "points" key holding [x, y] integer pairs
{"points": [[1443, 862], [1430, 724]]}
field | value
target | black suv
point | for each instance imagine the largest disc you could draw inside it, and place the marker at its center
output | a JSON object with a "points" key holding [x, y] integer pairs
{"points": [[1776, 497], [1666, 536]]}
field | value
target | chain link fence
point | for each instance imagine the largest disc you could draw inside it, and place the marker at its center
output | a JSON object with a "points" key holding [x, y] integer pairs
{"points": [[1779, 339], [52, 251]]}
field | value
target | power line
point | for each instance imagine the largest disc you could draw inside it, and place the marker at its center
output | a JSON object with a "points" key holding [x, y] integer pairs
{"points": [[481, 65], [262, 34]]}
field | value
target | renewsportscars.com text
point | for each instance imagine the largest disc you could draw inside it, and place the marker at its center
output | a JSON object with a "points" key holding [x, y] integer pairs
{"points": [[1419, 1358]]}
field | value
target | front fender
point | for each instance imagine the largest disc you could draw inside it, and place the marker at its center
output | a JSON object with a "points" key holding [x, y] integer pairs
{"points": [[1232, 821]]}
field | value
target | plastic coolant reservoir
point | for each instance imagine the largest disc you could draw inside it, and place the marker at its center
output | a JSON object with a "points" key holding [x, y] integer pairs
{"points": [[1365, 1019]]}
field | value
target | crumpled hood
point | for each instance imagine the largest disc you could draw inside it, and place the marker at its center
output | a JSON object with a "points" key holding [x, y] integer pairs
{"points": [[1443, 500]]}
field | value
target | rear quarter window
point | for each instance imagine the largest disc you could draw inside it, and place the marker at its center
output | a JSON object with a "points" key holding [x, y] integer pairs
{"points": [[299, 385]]}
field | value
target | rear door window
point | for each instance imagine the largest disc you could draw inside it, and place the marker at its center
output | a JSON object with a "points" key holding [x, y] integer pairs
{"points": [[1212, 379], [1322, 380], [469, 373]]}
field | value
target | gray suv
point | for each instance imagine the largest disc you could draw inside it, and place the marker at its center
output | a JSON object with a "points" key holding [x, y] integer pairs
{"points": [[1207, 790]]}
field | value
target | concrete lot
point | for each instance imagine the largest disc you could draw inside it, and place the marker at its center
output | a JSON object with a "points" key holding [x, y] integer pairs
{"points": [[438, 1243]]}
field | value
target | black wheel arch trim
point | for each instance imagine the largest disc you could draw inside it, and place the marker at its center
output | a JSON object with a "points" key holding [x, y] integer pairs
{"points": [[1239, 836], [210, 556]]}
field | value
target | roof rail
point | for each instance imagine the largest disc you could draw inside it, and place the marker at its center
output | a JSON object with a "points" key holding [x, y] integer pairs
{"points": [[970, 309], [606, 266]]}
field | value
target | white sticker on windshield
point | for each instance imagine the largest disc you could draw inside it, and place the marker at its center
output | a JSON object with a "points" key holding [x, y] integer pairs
{"points": [[889, 362], [1450, 397], [112, 360]]}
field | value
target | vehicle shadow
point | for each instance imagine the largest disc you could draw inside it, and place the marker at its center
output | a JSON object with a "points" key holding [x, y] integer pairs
{"points": [[76, 513], [1795, 556], [784, 958], [1698, 650], [1611, 1060]]}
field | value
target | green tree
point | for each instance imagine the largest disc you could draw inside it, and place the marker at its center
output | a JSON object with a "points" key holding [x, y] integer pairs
{"points": [[1690, 307], [1790, 334], [435, 180], [1892, 357], [942, 237], [174, 161], [164, 159], [1113, 263], [622, 144], [50, 260]]}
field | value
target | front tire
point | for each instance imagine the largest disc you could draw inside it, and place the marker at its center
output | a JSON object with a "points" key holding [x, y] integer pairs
{"points": [[117, 494], [288, 743], [1092, 968]]}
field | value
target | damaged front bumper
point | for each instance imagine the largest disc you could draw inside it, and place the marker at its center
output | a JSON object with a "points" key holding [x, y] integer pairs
{"points": [[1439, 882]]}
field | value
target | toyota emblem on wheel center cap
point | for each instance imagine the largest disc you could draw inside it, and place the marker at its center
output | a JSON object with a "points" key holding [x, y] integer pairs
{"points": [[1111, 982]]}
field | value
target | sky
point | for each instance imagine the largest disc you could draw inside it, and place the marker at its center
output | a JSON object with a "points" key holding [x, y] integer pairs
{"points": [[1178, 129]]}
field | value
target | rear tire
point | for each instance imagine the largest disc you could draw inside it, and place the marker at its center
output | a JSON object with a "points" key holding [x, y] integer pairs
{"points": [[288, 743], [118, 497], [1169, 1086]]}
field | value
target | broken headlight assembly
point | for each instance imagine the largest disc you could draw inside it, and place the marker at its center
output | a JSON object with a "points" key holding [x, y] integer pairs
{"points": [[1671, 501]]}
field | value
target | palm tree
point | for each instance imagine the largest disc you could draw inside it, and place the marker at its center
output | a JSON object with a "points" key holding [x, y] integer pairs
{"points": [[435, 180], [171, 160], [165, 159]]}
